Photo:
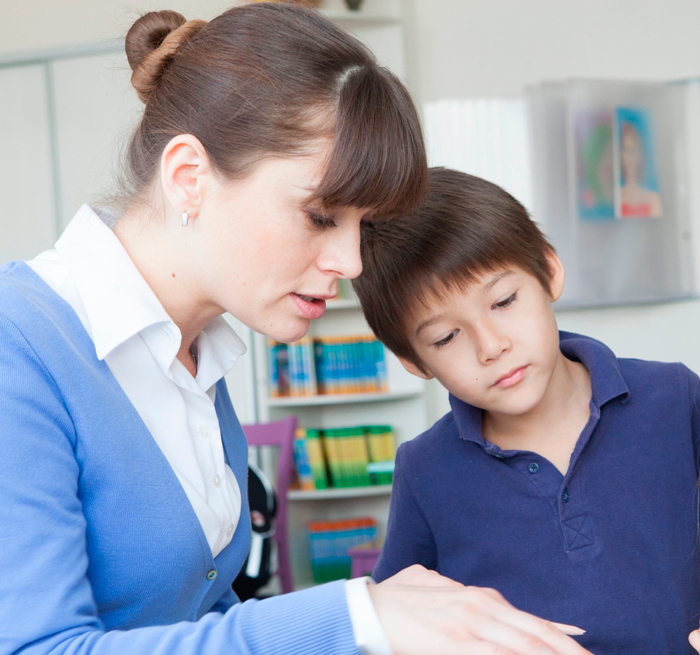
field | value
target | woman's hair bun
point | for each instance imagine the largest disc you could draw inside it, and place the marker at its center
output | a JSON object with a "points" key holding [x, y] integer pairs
{"points": [[151, 44]]}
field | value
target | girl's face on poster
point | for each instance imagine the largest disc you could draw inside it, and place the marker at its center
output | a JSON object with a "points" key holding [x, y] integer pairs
{"points": [[270, 255], [631, 155]]}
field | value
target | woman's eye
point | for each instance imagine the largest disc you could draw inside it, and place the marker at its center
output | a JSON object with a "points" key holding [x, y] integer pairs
{"points": [[449, 338], [502, 304], [320, 220]]}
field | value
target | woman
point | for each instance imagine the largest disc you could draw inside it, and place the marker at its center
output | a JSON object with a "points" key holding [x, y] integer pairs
{"points": [[268, 137]]}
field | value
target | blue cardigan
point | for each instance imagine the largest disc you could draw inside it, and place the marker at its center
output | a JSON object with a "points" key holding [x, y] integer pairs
{"points": [[100, 549]]}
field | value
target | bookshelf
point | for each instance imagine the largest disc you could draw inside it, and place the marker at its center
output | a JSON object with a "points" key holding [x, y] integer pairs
{"points": [[403, 406], [334, 494], [342, 399]]}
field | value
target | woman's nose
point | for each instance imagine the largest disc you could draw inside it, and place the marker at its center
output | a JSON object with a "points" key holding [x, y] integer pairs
{"points": [[342, 252]]}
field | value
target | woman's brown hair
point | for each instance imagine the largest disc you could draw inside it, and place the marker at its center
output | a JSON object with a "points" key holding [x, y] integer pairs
{"points": [[267, 79]]}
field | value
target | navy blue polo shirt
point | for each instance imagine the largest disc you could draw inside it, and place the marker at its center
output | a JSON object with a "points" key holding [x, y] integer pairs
{"points": [[610, 547]]}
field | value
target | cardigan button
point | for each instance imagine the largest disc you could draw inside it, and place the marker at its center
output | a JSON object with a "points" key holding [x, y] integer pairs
{"points": [[212, 575]]}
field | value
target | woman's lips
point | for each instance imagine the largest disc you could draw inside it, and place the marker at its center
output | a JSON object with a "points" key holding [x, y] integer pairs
{"points": [[512, 378], [310, 308]]}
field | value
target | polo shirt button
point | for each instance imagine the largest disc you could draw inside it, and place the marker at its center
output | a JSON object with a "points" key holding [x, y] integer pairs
{"points": [[565, 496], [534, 467], [211, 575]]}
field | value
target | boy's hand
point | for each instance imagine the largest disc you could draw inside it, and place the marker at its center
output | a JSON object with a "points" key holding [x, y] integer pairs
{"points": [[694, 639], [424, 613]]}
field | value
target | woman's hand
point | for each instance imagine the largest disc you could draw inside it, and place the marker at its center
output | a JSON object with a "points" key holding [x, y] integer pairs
{"points": [[694, 639], [424, 613]]}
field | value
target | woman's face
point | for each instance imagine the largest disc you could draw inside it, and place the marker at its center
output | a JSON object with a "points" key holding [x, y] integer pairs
{"points": [[269, 256]]}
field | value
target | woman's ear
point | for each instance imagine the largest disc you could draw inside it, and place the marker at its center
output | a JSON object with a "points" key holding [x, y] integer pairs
{"points": [[184, 169], [557, 275], [413, 369]]}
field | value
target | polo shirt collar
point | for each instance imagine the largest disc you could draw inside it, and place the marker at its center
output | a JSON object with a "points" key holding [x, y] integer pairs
{"points": [[119, 303], [607, 384]]}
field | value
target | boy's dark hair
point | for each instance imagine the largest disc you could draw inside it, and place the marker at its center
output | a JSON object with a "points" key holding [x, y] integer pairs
{"points": [[464, 228]]}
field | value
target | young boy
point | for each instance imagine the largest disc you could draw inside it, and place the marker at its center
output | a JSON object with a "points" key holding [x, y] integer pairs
{"points": [[563, 477]]}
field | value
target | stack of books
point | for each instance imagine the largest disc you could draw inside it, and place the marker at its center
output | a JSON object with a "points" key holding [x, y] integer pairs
{"points": [[330, 542], [327, 365], [344, 457]]}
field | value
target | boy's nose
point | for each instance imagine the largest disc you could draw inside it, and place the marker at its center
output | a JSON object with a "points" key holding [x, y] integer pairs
{"points": [[491, 344]]}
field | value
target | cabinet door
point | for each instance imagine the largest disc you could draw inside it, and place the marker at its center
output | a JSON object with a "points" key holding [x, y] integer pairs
{"points": [[96, 112], [27, 219]]}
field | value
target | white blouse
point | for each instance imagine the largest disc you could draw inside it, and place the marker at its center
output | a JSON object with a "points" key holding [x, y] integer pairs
{"points": [[92, 272], [136, 338]]}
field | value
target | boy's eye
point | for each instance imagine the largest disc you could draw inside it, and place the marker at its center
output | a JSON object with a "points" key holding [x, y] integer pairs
{"points": [[320, 220], [502, 304], [444, 341]]}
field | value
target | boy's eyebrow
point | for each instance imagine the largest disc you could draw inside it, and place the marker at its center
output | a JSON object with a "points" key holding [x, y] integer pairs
{"points": [[497, 278], [488, 285], [427, 323]]}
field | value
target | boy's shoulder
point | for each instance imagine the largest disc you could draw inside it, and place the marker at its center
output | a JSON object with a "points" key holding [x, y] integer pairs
{"points": [[432, 446], [641, 385]]}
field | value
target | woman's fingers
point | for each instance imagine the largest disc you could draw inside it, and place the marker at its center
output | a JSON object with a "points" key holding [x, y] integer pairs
{"points": [[495, 621], [495, 606], [443, 619]]}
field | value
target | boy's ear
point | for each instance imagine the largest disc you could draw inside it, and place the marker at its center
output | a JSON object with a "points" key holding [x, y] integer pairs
{"points": [[557, 275], [413, 369]]}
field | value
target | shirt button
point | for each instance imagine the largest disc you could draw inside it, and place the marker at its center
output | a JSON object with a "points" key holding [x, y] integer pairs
{"points": [[565, 496], [534, 467], [229, 530], [203, 431], [212, 575], [215, 480]]}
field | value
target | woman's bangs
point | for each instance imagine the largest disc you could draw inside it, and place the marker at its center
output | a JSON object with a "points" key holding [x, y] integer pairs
{"points": [[378, 158]]}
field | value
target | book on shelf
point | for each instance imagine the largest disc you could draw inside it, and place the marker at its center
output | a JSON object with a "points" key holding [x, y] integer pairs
{"points": [[344, 457], [327, 365], [345, 291], [330, 542]]}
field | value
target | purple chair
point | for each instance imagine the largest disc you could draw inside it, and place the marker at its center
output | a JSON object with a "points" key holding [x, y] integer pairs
{"points": [[280, 434], [364, 559]]}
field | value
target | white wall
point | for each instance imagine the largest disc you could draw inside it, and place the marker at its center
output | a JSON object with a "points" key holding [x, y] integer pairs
{"points": [[470, 48], [463, 48], [33, 25]]}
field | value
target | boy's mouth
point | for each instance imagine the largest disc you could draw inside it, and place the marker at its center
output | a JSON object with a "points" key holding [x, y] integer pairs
{"points": [[511, 378]]}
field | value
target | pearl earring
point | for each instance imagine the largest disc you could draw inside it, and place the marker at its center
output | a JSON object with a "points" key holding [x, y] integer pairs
{"points": [[185, 217]]}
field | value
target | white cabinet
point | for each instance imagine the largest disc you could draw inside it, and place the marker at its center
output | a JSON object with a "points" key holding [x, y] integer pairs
{"points": [[27, 211], [96, 110]]}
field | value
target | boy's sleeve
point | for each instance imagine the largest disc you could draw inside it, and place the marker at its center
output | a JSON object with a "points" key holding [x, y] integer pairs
{"points": [[47, 606], [409, 539], [694, 400]]}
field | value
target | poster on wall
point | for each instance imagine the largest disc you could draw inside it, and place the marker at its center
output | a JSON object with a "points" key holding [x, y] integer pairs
{"points": [[636, 184], [612, 167]]}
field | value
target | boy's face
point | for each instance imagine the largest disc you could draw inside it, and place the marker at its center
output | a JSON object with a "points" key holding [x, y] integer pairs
{"points": [[494, 346]]}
